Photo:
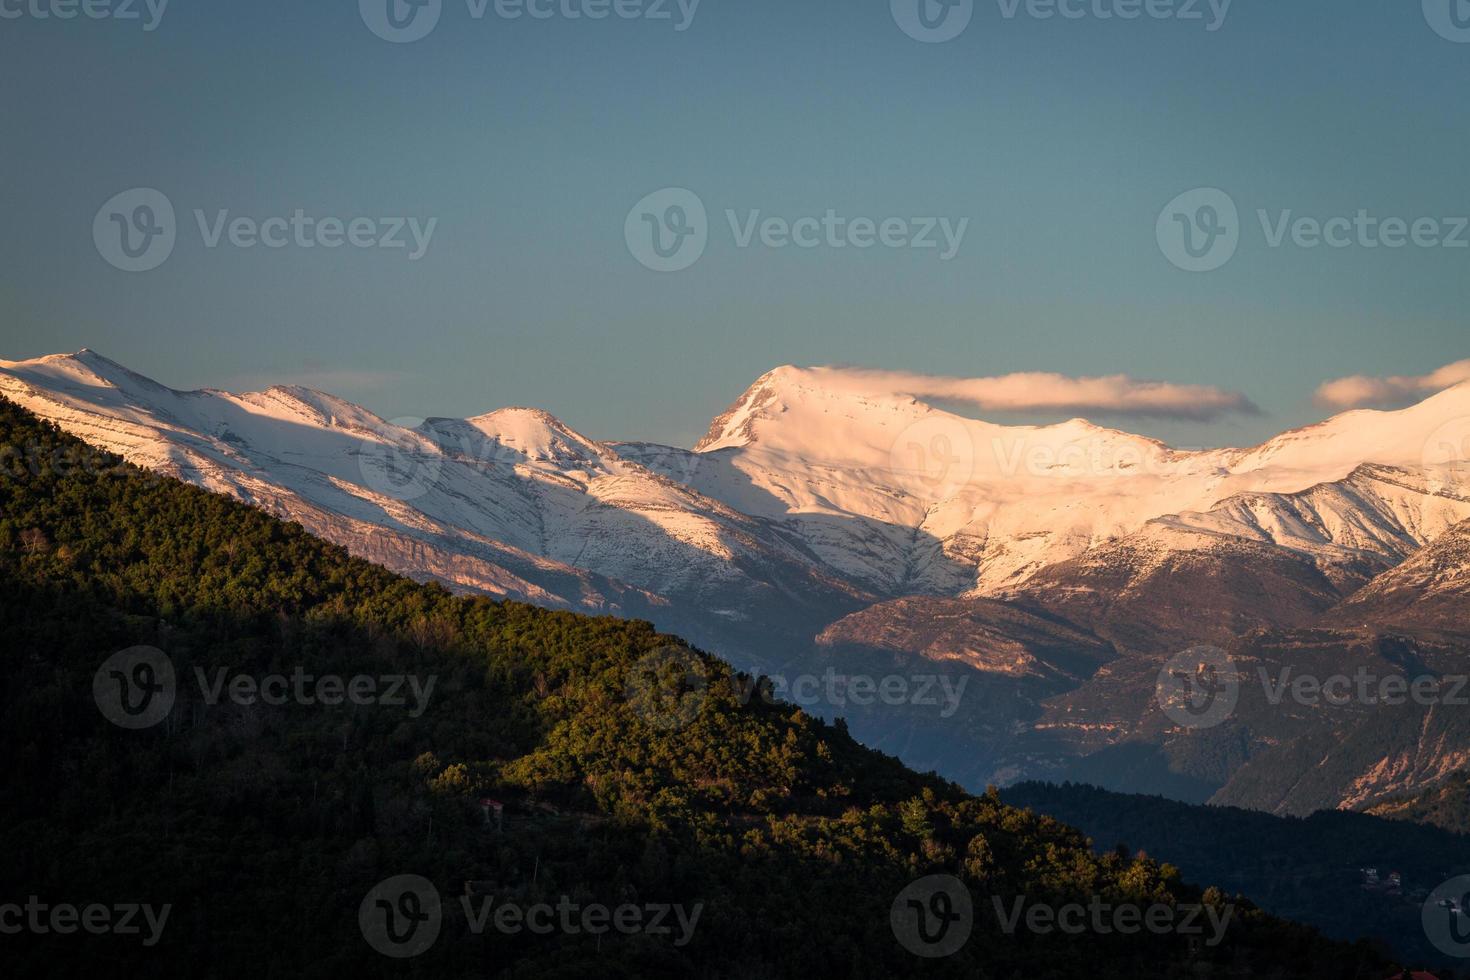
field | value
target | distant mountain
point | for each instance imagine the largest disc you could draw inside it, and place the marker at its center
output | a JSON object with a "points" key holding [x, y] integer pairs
{"points": [[1446, 804], [1428, 592], [820, 526]]}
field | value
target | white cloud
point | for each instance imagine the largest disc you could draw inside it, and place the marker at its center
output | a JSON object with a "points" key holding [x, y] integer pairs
{"points": [[1036, 391], [1362, 391]]}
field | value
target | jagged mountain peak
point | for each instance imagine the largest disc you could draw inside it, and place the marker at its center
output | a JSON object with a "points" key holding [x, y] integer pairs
{"points": [[736, 426]]}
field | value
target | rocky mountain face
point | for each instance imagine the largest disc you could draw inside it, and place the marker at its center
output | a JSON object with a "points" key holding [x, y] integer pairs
{"points": [[1045, 573]]}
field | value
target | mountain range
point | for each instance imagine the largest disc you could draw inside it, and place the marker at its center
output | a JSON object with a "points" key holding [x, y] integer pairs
{"points": [[821, 525]]}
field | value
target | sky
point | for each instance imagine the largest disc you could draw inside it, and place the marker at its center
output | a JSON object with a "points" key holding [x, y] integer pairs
{"points": [[1076, 175]]}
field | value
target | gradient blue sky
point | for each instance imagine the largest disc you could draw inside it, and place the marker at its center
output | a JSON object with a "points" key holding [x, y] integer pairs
{"points": [[529, 141]]}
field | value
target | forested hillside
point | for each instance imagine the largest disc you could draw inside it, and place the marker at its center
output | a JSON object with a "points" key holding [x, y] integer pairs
{"points": [[265, 826], [1445, 805], [1316, 869]]}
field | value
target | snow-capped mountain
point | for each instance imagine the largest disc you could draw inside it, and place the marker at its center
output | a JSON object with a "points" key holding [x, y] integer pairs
{"points": [[820, 520], [905, 498]]}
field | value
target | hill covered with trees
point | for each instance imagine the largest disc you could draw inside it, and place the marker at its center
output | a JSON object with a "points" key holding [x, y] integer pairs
{"points": [[1446, 804], [619, 767], [1333, 869]]}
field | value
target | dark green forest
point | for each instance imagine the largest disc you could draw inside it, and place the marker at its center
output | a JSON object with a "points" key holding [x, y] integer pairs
{"points": [[265, 826]]}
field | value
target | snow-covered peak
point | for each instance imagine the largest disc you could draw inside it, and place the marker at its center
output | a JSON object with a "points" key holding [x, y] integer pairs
{"points": [[88, 374], [763, 400], [536, 436], [850, 464], [308, 406], [1417, 436]]}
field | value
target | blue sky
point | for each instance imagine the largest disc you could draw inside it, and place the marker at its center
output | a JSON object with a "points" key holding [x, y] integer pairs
{"points": [[528, 141]]}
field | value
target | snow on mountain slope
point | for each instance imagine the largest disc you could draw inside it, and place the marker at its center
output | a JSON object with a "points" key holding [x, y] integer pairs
{"points": [[809, 481], [1254, 560], [906, 498], [1353, 529], [513, 502], [1430, 590]]}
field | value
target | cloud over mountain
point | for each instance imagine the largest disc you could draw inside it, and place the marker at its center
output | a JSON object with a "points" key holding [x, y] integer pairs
{"points": [[1039, 391], [1396, 391]]}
